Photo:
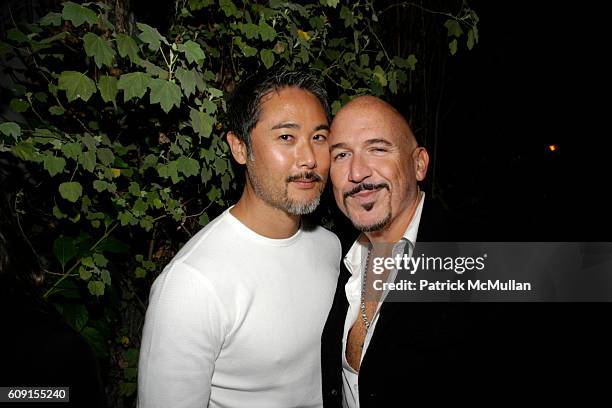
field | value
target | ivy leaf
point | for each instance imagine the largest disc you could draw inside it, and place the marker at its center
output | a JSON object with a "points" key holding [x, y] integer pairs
{"points": [[11, 129], [151, 36], [246, 49], [452, 46], [24, 150], [133, 85], [56, 110], [229, 8], [76, 85], [78, 14], [72, 150], [250, 30], [188, 166], [71, 191], [51, 19], [108, 88], [266, 31], [106, 156], [126, 46], [470, 39], [453, 27], [267, 56], [379, 75], [193, 52], [96, 288], [88, 161], [100, 185], [201, 123], [411, 61], [64, 249], [166, 93], [330, 3], [187, 79], [54, 164], [98, 48]]}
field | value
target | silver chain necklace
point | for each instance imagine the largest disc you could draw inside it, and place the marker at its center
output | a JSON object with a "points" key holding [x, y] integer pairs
{"points": [[364, 316]]}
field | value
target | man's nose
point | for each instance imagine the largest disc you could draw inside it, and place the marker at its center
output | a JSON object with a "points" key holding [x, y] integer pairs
{"points": [[306, 156], [359, 169]]}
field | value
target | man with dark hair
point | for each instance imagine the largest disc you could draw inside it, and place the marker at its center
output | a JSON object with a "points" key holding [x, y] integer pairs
{"points": [[235, 319]]}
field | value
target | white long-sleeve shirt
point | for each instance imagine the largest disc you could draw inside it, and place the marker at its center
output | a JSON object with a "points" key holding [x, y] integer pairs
{"points": [[235, 320]]}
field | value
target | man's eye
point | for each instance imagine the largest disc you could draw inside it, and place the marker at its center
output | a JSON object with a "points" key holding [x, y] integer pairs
{"points": [[340, 156], [319, 138], [286, 138], [379, 149]]}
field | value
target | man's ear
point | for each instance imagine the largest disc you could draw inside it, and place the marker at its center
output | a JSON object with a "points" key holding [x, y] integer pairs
{"points": [[421, 162], [238, 148]]}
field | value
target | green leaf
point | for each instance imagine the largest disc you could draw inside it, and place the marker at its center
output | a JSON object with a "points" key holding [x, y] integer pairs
{"points": [[246, 49], [71, 191], [72, 150], [84, 273], [187, 80], [106, 156], [250, 30], [96, 288], [54, 164], [88, 160], [330, 3], [266, 31], [380, 76], [470, 39], [229, 8], [452, 46], [98, 48], [193, 52], [201, 122], [411, 61], [19, 105], [100, 185], [78, 14], [64, 249], [51, 19], [76, 85], [151, 36], [453, 27], [188, 166], [166, 93], [133, 85], [126, 46], [56, 110], [108, 88], [10, 129], [24, 150], [267, 57]]}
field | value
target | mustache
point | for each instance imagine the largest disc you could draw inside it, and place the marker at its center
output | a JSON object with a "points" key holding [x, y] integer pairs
{"points": [[306, 176], [365, 186]]}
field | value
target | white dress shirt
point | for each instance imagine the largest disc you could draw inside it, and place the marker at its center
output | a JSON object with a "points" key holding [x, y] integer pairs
{"points": [[354, 260]]}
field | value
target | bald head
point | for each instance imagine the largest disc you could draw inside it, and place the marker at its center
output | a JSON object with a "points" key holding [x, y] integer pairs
{"points": [[371, 109], [375, 167]]}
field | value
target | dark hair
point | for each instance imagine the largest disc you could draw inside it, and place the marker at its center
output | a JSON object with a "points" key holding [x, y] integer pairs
{"points": [[245, 104]]}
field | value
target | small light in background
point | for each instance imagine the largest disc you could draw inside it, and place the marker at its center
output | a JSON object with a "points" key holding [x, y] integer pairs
{"points": [[553, 148]]}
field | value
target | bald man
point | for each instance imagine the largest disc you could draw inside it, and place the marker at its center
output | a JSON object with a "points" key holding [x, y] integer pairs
{"points": [[376, 353]]}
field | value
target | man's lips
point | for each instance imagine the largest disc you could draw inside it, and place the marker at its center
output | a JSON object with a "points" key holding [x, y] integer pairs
{"points": [[365, 196], [304, 183]]}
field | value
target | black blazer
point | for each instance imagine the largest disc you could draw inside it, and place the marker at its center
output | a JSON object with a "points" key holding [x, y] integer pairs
{"points": [[452, 351]]}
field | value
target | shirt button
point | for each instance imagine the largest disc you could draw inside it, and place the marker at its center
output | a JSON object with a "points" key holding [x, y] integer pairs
{"points": [[334, 392]]}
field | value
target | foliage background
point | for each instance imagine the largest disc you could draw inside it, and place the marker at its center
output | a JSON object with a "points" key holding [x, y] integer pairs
{"points": [[125, 123]]}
